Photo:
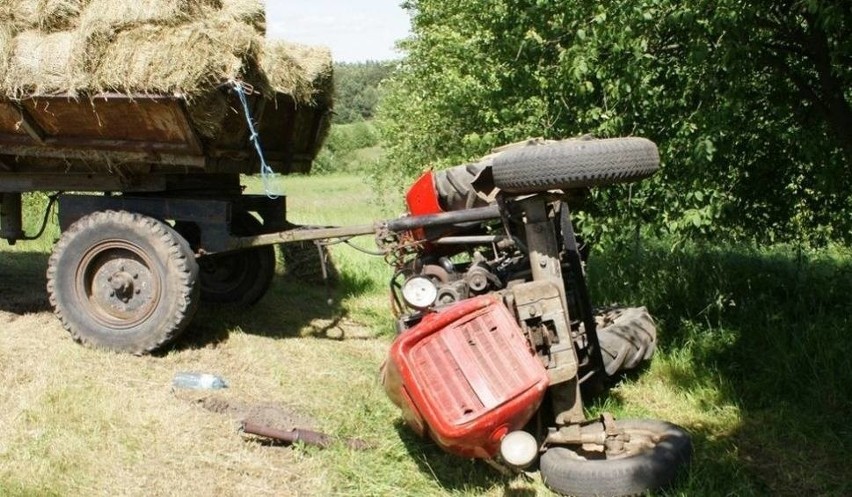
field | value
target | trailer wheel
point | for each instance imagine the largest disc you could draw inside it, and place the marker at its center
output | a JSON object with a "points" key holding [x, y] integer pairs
{"points": [[572, 164], [651, 459], [123, 282], [242, 277]]}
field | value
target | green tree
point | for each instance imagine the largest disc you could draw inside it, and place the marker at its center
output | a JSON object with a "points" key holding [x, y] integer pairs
{"points": [[748, 100], [357, 89]]}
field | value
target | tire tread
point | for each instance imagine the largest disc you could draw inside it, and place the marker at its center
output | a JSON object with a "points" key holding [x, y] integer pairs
{"points": [[571, 164]]}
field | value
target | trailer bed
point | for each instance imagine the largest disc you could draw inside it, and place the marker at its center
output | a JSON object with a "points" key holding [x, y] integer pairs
{"points": [[130, 142]]}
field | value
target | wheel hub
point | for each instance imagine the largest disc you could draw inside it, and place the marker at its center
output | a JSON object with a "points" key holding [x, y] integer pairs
{"points": [[119, 286], [122, 284]]}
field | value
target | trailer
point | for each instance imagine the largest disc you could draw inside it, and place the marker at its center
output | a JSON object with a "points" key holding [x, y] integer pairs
{"points": [[152, 213]]}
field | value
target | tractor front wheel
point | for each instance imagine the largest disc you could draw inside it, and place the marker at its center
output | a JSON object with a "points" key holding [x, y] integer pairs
{"points": [[651, 458]]}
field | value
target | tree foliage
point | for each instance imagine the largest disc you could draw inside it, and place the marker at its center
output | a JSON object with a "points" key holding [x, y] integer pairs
{"points": [[350, 148], [749, 101], [356, 88]]}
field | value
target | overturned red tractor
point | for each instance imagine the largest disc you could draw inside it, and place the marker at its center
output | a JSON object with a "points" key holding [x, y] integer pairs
{"points": [[498, 338]]}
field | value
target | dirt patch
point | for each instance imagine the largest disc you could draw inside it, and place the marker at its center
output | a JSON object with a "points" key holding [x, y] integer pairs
{"points": [[267, 414]]}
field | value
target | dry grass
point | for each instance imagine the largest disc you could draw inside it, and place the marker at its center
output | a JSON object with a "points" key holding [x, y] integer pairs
{"points": [[57, 15], [208, 112], [20, 14], [82, 422]]}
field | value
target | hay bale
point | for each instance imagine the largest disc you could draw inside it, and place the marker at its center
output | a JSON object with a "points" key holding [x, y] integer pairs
{"points": [[46, 15], [45, 64], [187, 59], [7, 14], [7, 39], [251, 12], [207, 113], [19, 15], [102, 15], [57, 15], [300, 71]]}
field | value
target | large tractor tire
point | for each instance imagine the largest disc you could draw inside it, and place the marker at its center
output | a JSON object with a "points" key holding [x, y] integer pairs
{"points": [[571, 164], [628, 337], [652, 458], [123, 281], [455, 187]]}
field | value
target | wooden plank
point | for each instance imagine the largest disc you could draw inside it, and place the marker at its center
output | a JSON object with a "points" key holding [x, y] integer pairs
{"points": [[146, 121], [193, 142], [16, 182], [18, 139], [10, 117], [28, 124], [95, 158]]}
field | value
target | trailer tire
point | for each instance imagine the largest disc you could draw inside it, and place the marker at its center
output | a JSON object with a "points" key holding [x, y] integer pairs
{"points": [[241, 278], [663, 450], [570, 164], [123, 281]]}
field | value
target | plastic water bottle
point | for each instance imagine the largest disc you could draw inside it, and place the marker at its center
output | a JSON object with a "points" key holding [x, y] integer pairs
{"points": [[198, 381]]}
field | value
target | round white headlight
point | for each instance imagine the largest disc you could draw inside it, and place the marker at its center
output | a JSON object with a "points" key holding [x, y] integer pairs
{"points": [[519, 449], [419, 292]]}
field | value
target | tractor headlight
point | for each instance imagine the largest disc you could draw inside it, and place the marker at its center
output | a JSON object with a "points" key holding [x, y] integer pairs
{"points": [[419, 292], [519, 449]]}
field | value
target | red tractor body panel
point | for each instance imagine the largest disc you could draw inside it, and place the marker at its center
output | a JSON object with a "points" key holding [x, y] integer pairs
{"points": [[422, 197], [466, 377]]}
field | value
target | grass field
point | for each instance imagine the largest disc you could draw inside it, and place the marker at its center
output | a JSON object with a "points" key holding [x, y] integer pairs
{"points": [[754, 361]]}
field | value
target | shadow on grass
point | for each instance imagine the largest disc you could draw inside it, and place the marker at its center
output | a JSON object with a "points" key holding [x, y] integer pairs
{"points": [[455, 473], [22, 282], [766, 331], [289, 309], [293, 307]]}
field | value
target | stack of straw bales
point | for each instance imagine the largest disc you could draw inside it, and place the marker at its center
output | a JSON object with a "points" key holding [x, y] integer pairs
{"points": [[186, 47]]}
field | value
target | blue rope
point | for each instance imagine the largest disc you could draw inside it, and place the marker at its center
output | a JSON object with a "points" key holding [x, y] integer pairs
{"points": [[266, 172]]}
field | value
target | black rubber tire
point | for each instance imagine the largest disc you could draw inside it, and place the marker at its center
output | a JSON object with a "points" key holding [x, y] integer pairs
{"points": [[564, 472], [455, 187], [241, 278], [302, 263], [570, 164], [159, 274], [628, 336]]}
